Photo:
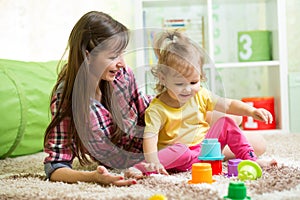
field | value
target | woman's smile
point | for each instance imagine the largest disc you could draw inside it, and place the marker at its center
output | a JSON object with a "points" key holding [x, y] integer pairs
{"points": [[112, 72]]}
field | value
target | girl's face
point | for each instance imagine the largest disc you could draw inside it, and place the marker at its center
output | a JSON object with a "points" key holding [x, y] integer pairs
{"points": [[182, 88], [107, 63]]}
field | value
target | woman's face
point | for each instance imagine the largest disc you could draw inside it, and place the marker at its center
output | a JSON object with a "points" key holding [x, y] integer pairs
{"points": [[106, 64]]}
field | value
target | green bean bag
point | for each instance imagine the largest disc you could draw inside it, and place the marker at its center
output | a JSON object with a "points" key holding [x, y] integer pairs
{"points": [[25, 89]]}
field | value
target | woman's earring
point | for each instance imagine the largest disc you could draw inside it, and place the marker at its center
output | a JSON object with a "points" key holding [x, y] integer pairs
{"points": [[87, 54]]}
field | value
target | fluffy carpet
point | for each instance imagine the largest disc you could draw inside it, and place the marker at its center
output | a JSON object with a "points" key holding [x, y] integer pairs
{"points": [[23, 178]]}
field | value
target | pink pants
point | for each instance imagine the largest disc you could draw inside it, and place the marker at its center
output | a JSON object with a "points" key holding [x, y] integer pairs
{"points": [[179, 157]]}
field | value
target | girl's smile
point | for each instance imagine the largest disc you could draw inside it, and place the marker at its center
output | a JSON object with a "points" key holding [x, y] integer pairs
{"points": [[185, 95]]}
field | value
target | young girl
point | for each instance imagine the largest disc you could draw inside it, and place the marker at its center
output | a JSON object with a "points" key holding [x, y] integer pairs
{"points": [[175, 119], [97, 111]]}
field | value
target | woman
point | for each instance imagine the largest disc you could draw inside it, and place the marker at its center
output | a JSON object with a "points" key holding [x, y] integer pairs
{"points": [[97, 111]]}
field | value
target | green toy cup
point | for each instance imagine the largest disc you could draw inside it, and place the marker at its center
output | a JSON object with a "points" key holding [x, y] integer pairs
{"points": [[237, 191]]}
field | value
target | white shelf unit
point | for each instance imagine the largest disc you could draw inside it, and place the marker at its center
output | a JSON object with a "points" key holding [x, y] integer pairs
{"points": [[222, 20]]}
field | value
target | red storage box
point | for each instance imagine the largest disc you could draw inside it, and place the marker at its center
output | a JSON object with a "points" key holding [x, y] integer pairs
{"points": [[259, 102]]}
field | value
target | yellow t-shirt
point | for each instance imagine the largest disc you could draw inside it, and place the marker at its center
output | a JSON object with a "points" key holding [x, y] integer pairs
{"points": [[184, 125]]}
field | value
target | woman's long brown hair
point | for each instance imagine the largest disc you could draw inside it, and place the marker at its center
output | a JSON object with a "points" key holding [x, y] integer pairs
{"points": [[88, 34]]}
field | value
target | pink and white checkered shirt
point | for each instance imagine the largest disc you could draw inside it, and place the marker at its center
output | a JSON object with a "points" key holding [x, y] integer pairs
{"points": [[127, 151]]}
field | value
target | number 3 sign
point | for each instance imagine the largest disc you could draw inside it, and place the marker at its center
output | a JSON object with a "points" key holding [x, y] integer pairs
{"points": [[254, 46]]}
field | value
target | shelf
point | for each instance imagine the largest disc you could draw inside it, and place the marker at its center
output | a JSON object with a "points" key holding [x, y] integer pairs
{"points": [[241, 2], [170, 3], [272, 63], [222, 23], [269, 131]]}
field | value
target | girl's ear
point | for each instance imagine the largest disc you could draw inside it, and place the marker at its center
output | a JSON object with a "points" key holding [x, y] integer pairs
{"points": [[162, 78]]}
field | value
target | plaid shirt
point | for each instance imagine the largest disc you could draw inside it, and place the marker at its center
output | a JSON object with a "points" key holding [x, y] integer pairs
{"points": [[128, 150]]}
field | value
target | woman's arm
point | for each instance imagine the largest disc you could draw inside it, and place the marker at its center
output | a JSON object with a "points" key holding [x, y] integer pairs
{"points": [[100, 175]]}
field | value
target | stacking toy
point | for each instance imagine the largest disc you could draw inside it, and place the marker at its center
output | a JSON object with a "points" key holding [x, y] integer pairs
{"points": [[232, 167], [249, 170], [211, 153], [201, 173], [237, 191]]}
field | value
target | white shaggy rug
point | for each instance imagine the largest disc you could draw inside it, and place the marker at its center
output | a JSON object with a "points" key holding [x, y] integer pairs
{"points": [[23, 178]]}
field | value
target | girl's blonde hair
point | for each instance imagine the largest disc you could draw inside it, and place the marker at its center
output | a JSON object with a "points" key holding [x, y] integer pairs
{"points": [[174, 50]]}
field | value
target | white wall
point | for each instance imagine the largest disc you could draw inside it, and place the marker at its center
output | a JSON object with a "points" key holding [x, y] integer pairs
{"points": [[293, 32], [38, 30]]}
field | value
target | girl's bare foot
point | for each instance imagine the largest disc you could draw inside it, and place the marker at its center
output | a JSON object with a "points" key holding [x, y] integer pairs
{"points": [[133, 172], [266, 163]]}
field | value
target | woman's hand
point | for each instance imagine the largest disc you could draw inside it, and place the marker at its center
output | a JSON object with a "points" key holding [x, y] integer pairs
{"points": [[102, 176], [155, 167], [262, 115]]}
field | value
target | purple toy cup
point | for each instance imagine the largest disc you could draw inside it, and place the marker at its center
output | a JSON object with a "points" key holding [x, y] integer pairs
{"points": [[232, 167]]}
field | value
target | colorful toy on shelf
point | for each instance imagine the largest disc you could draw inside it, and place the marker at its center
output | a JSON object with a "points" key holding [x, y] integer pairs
{"points": [[201, 173], [211, 153], [266, 102], [237, 191], [232, 167], [158, 197], [249, 170]]}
